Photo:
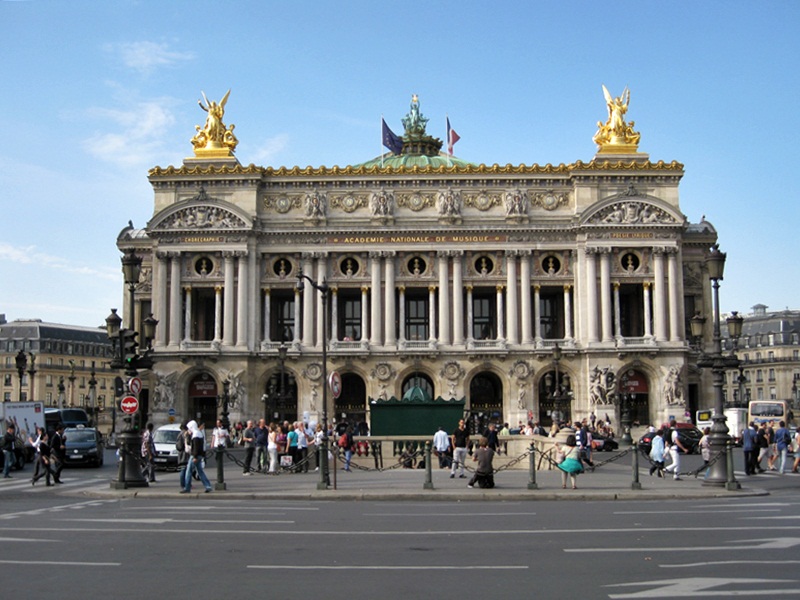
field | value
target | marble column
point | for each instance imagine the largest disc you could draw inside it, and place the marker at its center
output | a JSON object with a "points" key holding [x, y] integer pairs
{"points": [[568, 335], [648, 316], [470, 316], [525, 297], [458, 300], [659, 295], [432, 315], [389, 326], [268, 313], [501, 329], [617, 312], [364, 313], [605, 294], [592, 308], [537, 314], [187, 314], [673, 277], [175, 303], [242, 314], [334, 304], [160, 304], [217, 313], [402, 311], [309, 302], [444, 299], [228, 306], [375, 312], [511, 298]]}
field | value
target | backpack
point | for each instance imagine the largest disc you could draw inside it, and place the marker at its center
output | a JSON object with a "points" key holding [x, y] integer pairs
{"points": [[180, 443], [343, 441]]}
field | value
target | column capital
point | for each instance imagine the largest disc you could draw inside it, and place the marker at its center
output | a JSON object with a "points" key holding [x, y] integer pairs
{"points": [[364, 289], [218, 289], [567, 287], [500, 287], [432, 288]]}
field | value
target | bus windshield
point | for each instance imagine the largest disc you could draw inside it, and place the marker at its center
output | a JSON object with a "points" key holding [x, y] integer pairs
{"points": [[767, 410]]}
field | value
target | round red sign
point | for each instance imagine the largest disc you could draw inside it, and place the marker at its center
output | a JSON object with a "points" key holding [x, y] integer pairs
{"points": [[129, 405]]}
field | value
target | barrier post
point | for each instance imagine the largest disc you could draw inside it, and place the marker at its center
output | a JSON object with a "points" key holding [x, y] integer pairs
{"points": [[428, 485], [220, 484], [532, 468], [635, 484], [731, 485]]}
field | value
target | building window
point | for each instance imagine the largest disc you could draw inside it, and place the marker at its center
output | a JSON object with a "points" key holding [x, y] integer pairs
{"points": [[282, 312], [6, 396], [417, 316], [483, 315], [203, 314], [7, 379], [631, 310], [771, 374], [48, 380], [551, 313], [349, 315], [760, 394], [770, 356], [759, 378]]}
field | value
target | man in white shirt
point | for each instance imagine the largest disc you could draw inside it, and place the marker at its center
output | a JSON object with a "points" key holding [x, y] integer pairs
{"points": [[441, 443]]}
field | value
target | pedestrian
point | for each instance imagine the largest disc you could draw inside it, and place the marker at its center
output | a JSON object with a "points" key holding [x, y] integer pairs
{"points": [[504, 432], [9, 441], [346, 444], [796, 448], [261, 435], [762, 441], [183, 445], [272, 448], [249, 442], [705, 446], [302, 447], [198, 457], [484, 474], [58, 452], [492, 438], [584, 438], [783, 440], [220, 436], [676, 448], [292, 446], [569, 461], [36, 443], [148, 452], [441, 444], [750, 448], [42, 458], [772, 452], [657, 453], [460, 442]]}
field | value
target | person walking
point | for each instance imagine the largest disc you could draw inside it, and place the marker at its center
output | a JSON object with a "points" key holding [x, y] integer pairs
{"points": [[58, 452], [220, 436], [441, 444], [570, 461], [198, 457], [249, 443], [762, 441], [184, 446], [9, 441], [705, 446], [782, 442], [42, 459], [750, 449], [261, 435], [272, 448], [302, 447], [346, 444], [148, 452], [657, 453], [676, 448], [484, 474], [460, 441]]}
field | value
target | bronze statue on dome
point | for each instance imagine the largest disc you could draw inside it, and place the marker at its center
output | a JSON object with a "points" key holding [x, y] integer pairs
{"points": [[214, 137], [616, 135], [414, 123]]}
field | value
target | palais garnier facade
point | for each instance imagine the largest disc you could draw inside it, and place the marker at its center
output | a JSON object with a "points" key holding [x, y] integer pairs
{"points": [[500, 293]]}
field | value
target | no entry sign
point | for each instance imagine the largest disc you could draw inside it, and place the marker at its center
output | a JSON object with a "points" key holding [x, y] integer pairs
{"points": [[129, 405]]}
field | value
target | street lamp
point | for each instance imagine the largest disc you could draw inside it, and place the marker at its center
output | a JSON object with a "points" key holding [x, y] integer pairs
{"points": [[323, 289], [31, 373], [559, 395], [61, 389], [718, 473], [71, 383], [226, 401], [93, 395], [131, 269], [22, 363]]}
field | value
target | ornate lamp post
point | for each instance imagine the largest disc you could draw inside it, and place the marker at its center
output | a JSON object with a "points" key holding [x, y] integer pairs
{"points": [[22, 363], [226, 402], [718, 474], [61, 389], [323, 289], [71, 383], [128, 358], [93, 395], [559, 394]]}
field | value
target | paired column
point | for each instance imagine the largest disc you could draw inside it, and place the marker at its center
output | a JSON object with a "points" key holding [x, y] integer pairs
{"points": [[187, 315], [375, 314], [458, 299], [365, 313], [432, 316], [660, 296], [267, 314], [675, 293], [511, 297], [389, 324], [500, 320], [525, 298], [605, 294], [444, 299], [591, 295], [241, 302], [567, 312], [176, 304], [309, 295], [228, 302], [160, 305]]}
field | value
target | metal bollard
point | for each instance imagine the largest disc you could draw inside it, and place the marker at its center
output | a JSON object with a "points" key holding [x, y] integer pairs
{"points": [[635, 484], [220, 485], [428, 485], [532, 469]]}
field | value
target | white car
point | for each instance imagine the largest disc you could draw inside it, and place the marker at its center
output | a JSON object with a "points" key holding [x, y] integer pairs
{"points": [[166, 454]]}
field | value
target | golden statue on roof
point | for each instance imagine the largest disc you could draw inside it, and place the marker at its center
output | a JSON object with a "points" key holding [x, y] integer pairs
{"points": [[615, 136], [214, 139]]}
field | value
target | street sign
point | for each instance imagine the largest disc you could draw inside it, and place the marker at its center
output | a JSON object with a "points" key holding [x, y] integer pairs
{"points": [[135, 385], [171, 412], [129, 405], [335, 381]]}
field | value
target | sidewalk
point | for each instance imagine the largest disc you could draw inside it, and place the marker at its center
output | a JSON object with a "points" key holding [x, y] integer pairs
{"points": [[609, 482]]}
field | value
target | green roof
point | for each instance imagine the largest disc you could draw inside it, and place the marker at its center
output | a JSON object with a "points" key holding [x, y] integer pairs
{"points": [[408, 161]]}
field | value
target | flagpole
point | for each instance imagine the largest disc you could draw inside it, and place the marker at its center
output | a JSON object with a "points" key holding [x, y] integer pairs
{"points": [[381, 145], [447, 141]]}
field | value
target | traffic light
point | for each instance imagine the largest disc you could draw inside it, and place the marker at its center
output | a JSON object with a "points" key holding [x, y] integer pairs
{"points": [[129, 345]]}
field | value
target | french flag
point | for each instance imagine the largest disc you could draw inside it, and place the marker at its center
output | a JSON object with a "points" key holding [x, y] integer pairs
{"points": [[452, 137]]}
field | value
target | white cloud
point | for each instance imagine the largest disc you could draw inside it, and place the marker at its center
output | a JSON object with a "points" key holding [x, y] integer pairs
{"points": [[265, 153], [140, 135], [29, 255], [145, 57]]}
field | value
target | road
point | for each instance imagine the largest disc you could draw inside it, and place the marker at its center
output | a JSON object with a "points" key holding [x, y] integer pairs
{"points": [[157, 548]]}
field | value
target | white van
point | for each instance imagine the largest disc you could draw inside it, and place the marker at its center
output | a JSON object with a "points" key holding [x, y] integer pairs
{"points": [[166, 455]]}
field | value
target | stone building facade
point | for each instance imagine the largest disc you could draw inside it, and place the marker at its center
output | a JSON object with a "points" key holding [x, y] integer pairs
{"points": [[464, 280]]}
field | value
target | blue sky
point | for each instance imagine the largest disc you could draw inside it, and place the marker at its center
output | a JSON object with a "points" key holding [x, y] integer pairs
{"points": [[96, 93]]}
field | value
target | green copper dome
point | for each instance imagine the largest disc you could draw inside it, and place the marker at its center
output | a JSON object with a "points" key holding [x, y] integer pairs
{"points": [[408, 161]]}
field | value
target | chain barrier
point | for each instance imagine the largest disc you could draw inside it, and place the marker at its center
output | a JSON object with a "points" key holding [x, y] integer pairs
{"points": [[718, 456]]}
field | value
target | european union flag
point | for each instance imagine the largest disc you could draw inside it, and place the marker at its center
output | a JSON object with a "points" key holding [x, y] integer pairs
{"points": [[390, 140]]}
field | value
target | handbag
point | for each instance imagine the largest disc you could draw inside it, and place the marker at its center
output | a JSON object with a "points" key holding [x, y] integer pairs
{"points": [[560, 456]]}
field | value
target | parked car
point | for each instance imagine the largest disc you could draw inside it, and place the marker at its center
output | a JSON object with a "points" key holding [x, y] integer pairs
{"points": [[164, 437], [688, 433], [604, 443], [84, 446]]}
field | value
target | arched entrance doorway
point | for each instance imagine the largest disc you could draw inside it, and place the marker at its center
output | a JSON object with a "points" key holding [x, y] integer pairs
{"points": [[485, 402], [634, 397], [350, 406], [203, 399], [280, 397], [555, 398]]}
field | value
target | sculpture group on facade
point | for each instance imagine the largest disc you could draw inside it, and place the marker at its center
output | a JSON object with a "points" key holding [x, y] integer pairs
{"points": [[214, 135], [615, 131]]}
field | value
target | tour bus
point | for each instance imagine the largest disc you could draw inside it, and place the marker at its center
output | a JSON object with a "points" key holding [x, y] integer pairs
{"points": [[759, 411], [734, 420]]}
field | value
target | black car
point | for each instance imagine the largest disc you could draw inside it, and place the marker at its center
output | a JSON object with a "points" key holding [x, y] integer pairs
{"points": [[688, 434], [84, 446]]}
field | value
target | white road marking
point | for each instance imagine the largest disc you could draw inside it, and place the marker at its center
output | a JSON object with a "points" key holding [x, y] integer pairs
{"points": [[452, 514], [161, 521], [387, 567], [690, 512], [730, 562], [699, 587], [60, 563], [779, 543]]}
